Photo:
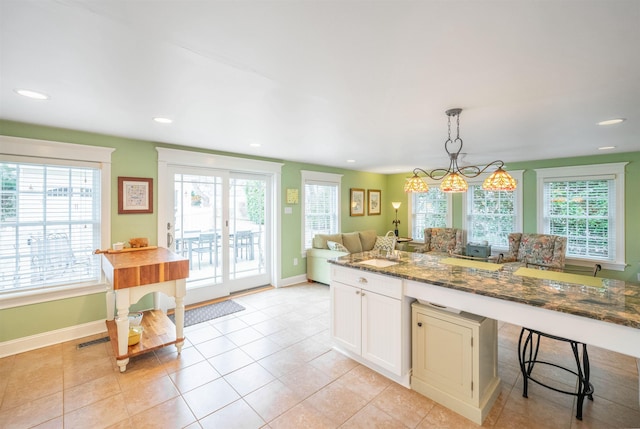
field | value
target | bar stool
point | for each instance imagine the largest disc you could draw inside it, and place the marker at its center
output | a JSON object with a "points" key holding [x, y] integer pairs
{"points": [[528, 347]]}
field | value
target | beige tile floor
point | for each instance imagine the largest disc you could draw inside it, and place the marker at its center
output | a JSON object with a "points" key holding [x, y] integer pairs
{"points": [[272, 366]]}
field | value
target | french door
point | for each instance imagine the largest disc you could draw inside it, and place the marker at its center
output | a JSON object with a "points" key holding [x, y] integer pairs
{"points": [[220, 221]]}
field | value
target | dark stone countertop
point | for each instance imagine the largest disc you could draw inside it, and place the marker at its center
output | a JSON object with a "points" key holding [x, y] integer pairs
{"points": [[615, 302]]}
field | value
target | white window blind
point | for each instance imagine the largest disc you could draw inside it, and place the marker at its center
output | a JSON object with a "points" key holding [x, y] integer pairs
{"points": [[585, 204], [321, 210], [321, 200], [582, 211], [428, 210], [491, 216], [49, 225]]}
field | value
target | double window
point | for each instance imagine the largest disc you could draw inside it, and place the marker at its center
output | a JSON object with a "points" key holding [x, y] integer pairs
{"points": [[490, 216], [51, 216], [321, 205], [429, 210], [586, 205]]}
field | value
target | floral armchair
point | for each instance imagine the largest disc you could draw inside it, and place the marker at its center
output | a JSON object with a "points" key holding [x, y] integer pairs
{"points": [[443, 240], [539, 249]]}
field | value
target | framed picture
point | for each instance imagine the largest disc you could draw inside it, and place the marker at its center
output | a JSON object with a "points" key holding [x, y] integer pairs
{"points": [[373, 196], [292, 196], [135, 195], [357, 202]]}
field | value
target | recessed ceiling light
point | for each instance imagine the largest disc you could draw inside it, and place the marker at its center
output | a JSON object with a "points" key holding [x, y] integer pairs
{"points": [[32, 94], [255, 144], [612, 121], [351, 161], [606, 147], [163, 120]]}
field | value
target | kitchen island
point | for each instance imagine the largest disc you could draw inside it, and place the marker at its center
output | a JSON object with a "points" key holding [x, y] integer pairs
{"points": [[600, 312]]}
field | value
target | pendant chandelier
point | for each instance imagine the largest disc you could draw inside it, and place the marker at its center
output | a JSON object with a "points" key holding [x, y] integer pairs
{"points": [[453, 178]]}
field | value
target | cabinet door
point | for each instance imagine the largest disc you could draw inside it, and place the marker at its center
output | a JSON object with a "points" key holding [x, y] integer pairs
{"points": [[443, 355], [382, 331], [345, 316]]}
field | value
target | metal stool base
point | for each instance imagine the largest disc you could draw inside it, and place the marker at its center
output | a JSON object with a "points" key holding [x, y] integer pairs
{"points": [[528, 346]]}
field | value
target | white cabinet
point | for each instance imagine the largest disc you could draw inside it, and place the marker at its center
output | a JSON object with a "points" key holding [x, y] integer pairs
{"points": [[370, 321], [346, 317], [455, 360]]}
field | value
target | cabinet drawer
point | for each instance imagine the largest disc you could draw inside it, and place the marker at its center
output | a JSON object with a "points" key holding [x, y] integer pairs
{"points": [[384, 285]]}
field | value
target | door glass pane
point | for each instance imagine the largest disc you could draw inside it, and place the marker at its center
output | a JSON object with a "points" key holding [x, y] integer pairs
{"points": [[247, 233], [198, 225]]}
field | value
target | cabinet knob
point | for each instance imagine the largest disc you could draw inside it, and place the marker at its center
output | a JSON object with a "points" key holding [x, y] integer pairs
{"points": [[362, 280], [357, 292], [420, 324]]}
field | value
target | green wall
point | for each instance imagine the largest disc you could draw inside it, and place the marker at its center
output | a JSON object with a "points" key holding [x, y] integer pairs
{"points": [[292, 223], [139, 159], [632, 202]]}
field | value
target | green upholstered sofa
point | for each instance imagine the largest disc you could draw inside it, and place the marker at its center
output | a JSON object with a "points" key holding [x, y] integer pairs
{"points": [[318, 269]]}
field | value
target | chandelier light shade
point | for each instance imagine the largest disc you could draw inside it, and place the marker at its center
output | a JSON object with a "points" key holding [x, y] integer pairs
{"points": [[499, 180], [453, 178], [454, 183], [416, 184]]}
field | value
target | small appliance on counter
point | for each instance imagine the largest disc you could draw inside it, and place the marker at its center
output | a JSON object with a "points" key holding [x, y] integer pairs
{"points": [[478, 250]]}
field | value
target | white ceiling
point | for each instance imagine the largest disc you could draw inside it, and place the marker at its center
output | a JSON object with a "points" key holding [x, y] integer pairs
{"points": [[327, 81]]}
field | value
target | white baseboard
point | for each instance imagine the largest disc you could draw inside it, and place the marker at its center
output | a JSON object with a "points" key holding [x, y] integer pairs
{"points": [[302, 278], [24, 344]]}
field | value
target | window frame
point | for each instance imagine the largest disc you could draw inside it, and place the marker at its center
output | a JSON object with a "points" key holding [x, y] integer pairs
{"points": [[587, 172], [317, 177], [410, 213], [18, 149], [518, 206]]}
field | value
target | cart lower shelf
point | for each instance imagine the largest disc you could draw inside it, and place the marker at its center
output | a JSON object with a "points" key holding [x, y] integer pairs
{"points": [[159, 331]]}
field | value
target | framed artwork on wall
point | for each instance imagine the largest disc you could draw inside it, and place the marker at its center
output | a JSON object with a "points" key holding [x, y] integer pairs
{"points": [[292, 196], [373, 197], [357, 202], [135, 195]]}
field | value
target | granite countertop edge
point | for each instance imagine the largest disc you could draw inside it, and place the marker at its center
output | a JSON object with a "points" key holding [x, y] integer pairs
{"points": [[626, 312]]}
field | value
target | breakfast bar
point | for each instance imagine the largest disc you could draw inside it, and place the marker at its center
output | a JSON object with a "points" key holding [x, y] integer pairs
{"points": [[595, 311]]}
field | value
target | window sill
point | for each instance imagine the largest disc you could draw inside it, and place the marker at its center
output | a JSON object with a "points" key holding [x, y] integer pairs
{"points": [[29, 297]]}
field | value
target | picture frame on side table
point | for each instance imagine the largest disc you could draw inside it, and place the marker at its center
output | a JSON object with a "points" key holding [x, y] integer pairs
{"points": [[356, 202], [374, 197], [135, 195]]}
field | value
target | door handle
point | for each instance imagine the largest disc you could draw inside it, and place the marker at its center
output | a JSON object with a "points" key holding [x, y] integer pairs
{"points": [[169, 235]]}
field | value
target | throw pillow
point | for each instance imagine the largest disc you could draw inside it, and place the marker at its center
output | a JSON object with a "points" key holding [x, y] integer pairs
{"points": [[351, 241], [320, 240], [368, 239], [386, 243], [332, 245]]}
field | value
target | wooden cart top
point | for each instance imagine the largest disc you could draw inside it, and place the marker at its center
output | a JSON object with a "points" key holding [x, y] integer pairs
{"points": [[147, 266]]}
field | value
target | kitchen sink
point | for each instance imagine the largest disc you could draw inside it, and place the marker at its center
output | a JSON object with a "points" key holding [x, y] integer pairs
{"points": [[380, 263]]}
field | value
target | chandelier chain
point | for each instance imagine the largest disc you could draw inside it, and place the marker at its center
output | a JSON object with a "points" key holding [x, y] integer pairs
{"points": [[453, 177]]}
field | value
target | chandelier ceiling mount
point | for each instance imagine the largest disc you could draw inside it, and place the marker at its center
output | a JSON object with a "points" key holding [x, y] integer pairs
{"points": [[453, 177]]}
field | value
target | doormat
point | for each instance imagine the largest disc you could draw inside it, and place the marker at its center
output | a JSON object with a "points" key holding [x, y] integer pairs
{"points": [[208, 312]]}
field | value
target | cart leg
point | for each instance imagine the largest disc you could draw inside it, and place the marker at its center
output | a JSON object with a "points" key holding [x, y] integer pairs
{"points": [[122, 326]]}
